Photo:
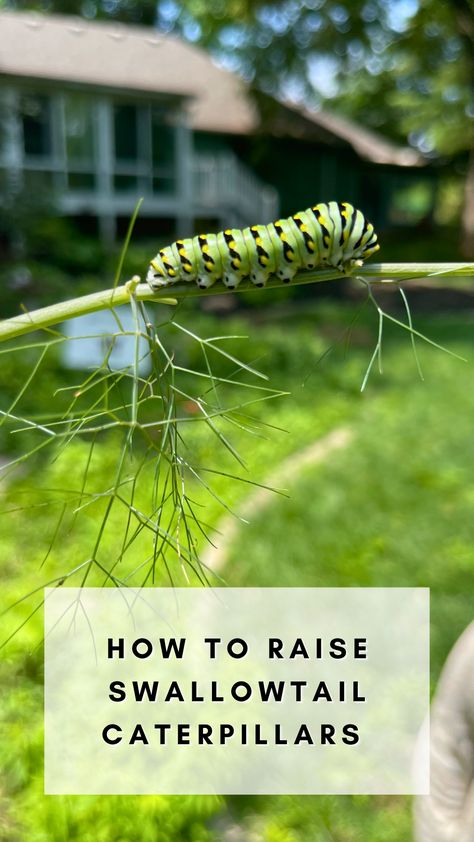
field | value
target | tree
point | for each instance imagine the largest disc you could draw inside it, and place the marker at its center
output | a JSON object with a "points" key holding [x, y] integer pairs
{"points": [[403, 67], [426, 92]]}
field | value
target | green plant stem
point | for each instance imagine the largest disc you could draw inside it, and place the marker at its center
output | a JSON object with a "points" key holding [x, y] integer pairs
{"points": [[392, 273]]}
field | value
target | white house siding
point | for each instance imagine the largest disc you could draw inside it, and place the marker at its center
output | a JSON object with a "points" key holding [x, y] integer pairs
{"points": [[97, 337]]}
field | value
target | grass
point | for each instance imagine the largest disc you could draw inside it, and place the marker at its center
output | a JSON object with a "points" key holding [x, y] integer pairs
{"points": [[393, 509]]}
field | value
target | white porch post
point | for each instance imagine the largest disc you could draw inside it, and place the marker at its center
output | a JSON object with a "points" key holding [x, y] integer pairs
{"points": [[12, 155], [184, 176], [13, 141], [104, 171]]}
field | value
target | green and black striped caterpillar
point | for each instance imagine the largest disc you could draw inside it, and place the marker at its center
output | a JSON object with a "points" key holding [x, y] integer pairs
{"points": [[333, 234]]}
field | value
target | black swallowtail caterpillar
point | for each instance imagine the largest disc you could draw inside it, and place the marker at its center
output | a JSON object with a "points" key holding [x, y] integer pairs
{"points": [[333, 234]]}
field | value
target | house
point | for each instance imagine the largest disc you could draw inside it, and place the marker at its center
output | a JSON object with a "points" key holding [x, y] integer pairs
{"points": [[98, 114]]}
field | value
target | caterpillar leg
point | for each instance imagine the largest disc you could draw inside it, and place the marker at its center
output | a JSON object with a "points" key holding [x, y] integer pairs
{"points": [[231, 280], [205, 281]]}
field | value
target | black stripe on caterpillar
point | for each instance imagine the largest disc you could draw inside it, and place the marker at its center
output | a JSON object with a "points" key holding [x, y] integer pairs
{"points": [[334, 234]]}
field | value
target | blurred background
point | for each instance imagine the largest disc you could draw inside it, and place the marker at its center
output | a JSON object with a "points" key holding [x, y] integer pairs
{"points": [[226, 114]]}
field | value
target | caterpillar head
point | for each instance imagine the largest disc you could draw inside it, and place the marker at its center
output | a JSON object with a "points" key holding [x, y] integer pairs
{"points": [[156, 277], [363, 252], [370, 248]]}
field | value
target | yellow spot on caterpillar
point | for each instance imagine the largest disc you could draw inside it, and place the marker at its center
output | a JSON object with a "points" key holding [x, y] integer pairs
{"points": [[283, 237], [205, 249], [231, 244], [171, 272], [156, 267], [259, 241], [310, 245], [264, 260], [182, 252]]}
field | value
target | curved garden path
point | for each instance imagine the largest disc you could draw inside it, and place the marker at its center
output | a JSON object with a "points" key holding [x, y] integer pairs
{"points": [[286, 474]]}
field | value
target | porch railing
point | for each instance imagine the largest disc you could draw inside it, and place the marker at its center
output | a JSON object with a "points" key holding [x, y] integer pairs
{"points": [[221, 182]]}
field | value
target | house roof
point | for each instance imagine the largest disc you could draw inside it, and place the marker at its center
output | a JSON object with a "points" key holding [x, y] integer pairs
{"points": [[134, 58], [368, 144]]}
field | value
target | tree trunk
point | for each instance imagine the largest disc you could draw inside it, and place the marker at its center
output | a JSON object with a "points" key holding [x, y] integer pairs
{"points": [[467, 233]]}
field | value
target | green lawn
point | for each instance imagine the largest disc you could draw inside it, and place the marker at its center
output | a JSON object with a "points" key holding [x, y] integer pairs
{"points": [[392, 509]]}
